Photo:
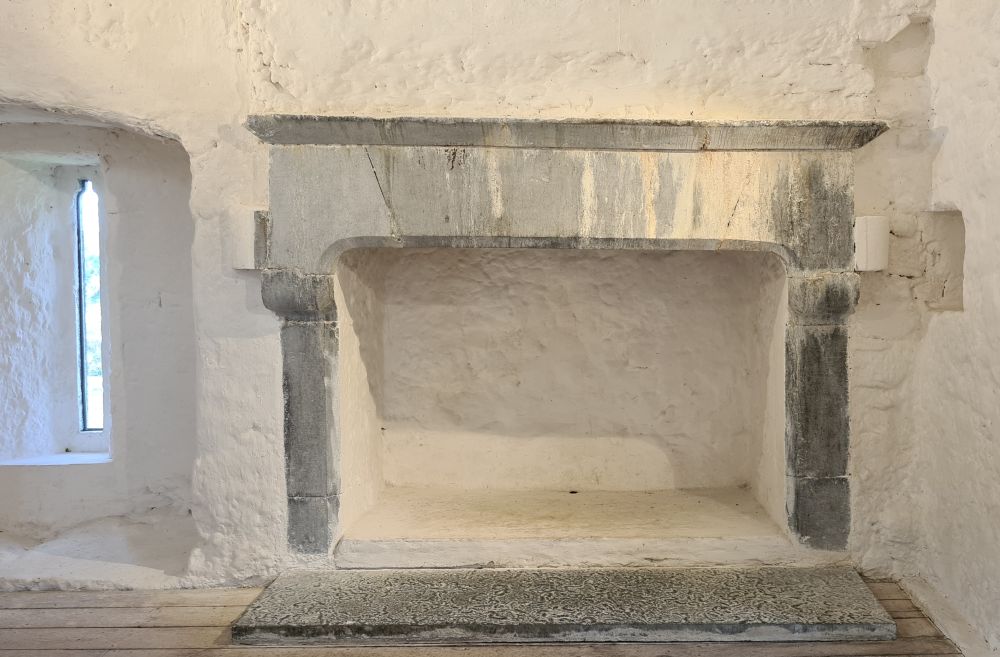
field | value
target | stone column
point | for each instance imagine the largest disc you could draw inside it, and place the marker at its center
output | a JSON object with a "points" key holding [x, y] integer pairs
{"points": [[309, 342], [817, 422]]}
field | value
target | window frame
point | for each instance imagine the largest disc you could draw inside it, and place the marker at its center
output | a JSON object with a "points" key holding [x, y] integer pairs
{"points": [[85, 185]]}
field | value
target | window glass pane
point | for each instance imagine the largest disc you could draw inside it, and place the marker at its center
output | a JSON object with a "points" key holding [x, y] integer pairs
{"points": [[89, 285]]}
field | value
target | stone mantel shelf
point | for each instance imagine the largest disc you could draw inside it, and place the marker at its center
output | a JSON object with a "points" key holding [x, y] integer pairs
{"points": [[581, 134]]}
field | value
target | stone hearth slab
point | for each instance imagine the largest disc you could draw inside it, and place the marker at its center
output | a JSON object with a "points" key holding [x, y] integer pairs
{"points": [[385, 607]]}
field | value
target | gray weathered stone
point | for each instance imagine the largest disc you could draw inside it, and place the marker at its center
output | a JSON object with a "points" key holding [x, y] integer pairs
{"points": [[568, 133], [261, 239], [293, 295], [819, 511], [309, 355], [812, 210], [817, 423], [821, 298], [381, 607], [310, 523], [325, 199]]}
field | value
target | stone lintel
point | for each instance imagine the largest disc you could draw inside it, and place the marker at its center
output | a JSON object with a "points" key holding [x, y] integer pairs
{"points": [[579, 134]]}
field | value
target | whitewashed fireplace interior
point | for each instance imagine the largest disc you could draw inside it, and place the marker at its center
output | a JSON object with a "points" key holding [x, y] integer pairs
{"points": [[612, 343]]}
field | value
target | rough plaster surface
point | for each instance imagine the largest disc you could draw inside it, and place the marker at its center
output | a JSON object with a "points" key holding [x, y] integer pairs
{"points": [[142, 551], [40, 370], [31, 313], [956, 382], [649, 369], [144, 67], [360, 299], [147, 293]]}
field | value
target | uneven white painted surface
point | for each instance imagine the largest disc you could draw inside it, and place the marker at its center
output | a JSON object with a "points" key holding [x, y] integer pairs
{"points": [[34, 380], [147, 291], [194, 70], [361, 317], [142, 551], [956, 387], [587, 370]]}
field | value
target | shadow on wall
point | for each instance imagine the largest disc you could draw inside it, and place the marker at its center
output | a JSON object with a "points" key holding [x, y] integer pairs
{"points": [[147, 233]]}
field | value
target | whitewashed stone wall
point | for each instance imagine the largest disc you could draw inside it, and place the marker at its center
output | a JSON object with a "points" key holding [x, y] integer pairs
{"points": [[924, 453], [37, 367]]}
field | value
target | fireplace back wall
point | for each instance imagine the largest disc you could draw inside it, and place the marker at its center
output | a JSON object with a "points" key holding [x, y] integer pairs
{"points": [[563, 370]]}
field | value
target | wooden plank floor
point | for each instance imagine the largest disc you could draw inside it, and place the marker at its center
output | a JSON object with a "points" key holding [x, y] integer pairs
{"points": [[196, 623]]}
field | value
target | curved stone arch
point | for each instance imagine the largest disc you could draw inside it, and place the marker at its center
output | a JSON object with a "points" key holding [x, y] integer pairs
{"points": [[329, 259]]}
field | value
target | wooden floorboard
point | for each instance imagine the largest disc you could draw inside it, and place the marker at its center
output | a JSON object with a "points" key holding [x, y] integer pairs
{"points": [[195, 623], [162, 598], [119, 617]]}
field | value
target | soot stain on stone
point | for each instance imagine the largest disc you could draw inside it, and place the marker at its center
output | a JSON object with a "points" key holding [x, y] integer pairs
{"points": [[456, 157], [813, 215]]}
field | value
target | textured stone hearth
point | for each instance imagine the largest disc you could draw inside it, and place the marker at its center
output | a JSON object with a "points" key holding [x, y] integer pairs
{"points": [[381, 607]]}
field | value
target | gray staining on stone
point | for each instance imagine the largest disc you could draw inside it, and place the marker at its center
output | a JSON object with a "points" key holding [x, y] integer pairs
{"points": [[384, 607], [325, 199], [816, 412], [817, 419], [309, 523], [261, 239], [567, 133], [293, 295], [821, 298], [817, 434], [812, 209], [822, 517], [309, 353]]}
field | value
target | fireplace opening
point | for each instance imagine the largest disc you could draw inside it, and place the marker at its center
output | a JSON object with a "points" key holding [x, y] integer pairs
{"points": [[546, 406]]}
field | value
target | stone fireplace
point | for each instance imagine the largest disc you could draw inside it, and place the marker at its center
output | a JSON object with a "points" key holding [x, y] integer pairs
{"points": [[561, 342]]}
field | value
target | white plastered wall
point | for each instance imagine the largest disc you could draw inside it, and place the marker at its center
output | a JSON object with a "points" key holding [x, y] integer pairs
{"points": [[149, 356], [40, 374], [38, 371], [193, 70], [954, 395], [560, 370]]}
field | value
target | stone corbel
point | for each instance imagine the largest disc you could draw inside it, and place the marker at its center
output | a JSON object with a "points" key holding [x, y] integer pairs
{"points": [[293, 295]]}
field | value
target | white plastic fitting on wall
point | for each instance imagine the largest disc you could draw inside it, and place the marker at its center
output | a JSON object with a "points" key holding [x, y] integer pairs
{"points": [[871, 243]]}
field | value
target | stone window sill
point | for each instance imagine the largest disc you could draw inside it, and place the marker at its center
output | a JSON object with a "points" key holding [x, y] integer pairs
{"points": [[67, 458]]}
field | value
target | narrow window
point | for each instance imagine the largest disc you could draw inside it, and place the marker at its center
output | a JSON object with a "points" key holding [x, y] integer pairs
{"points": [[88, 238]]}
